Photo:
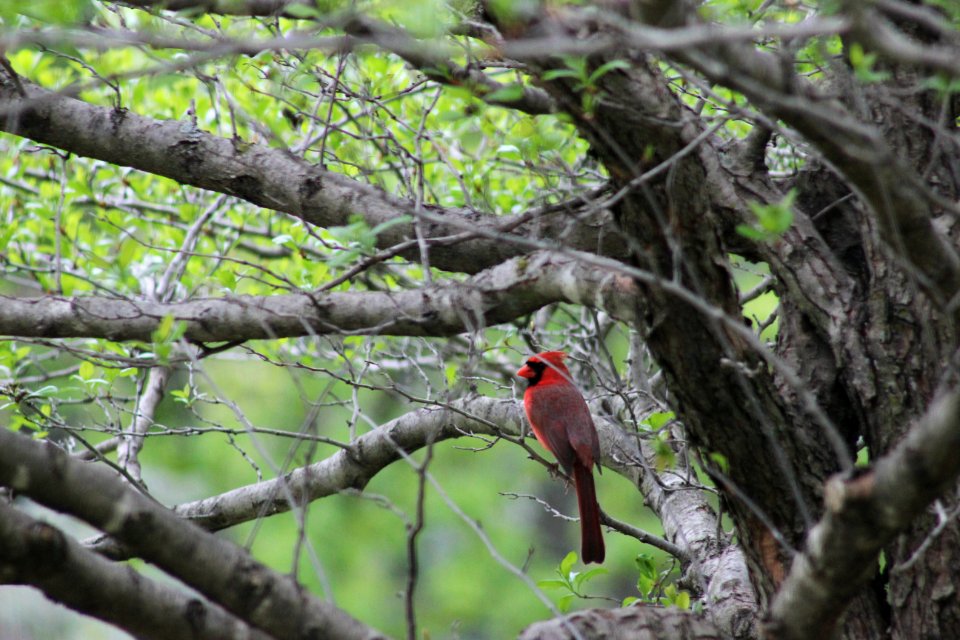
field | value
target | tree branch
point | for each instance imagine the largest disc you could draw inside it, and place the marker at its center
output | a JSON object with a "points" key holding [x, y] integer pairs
{"points": [[424, 56], [267, 177], [217, 568], [256, 8], [638, 622], [690, 522], [354, 467], [871, 29], [131, 442], [37, 554], [863, 514], [503, 293], [432, 58], [896, 193]]}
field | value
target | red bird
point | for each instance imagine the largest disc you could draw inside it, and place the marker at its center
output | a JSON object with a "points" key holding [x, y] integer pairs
{"points": [[562, 423]]}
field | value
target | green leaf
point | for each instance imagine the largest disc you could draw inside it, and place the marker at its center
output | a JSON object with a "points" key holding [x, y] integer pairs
{"points": [[553, 74], [645, 585], [659, 419], [720, 461], [587, 576], [169, 330], [509, 11], [227, 278], [552, 583], [750, 233], [567, 563], [941, 83], [182, 395], [773, 219], [606, 68], [56, 12], [87, 370], [509, 93], [777, 217], [302, 11], [128, 250], [647, 573], [6, 235], [564, 603], [645, 564], [392, 222], [664, 454], [423, 19], [862, 64]]}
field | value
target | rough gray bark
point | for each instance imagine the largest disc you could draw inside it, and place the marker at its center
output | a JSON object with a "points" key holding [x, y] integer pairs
{"points": [[503, 293], [863, 513], [36, 553], [218, 569], [633, 623]]}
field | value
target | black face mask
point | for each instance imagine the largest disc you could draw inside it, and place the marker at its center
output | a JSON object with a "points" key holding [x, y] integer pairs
{"points": [[538, 369]]}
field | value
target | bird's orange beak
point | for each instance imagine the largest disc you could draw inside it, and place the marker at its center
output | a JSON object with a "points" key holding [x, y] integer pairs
{"points": [[526, 372]]}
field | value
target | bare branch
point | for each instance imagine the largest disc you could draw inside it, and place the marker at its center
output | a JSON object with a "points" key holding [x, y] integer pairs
{"points": [[38, 554], [226, 7], [863, 514], [217, 568], [439, 68], [353, 468], [131, 442], [500, 294]]}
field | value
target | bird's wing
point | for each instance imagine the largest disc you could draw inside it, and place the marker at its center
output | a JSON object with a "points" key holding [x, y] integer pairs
{"points": [[562, 423]]}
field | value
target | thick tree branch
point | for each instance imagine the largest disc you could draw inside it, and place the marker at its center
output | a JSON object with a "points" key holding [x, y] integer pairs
{"points": [[217, 568], [354, 467], [903, 204], [267, 177], [897, 194], [863, 514], [871, 29], [501, 294], [38, 554], [718, 566], [638, 622]]}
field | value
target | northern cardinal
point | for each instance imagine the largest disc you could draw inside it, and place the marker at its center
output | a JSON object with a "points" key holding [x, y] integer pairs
{"points": [[562, 423]]}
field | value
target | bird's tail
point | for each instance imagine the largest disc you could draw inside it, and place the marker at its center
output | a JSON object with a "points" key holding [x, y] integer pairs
{"points": [[591, 536]]}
